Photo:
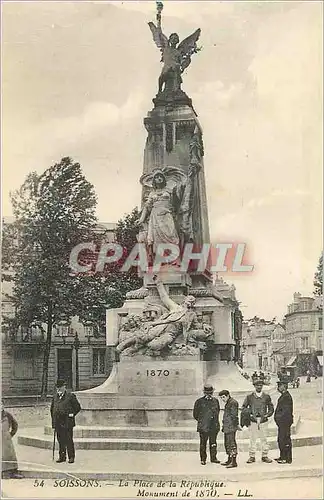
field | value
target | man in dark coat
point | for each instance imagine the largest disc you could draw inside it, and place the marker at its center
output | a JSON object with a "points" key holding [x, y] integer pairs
{"points": [[284, 419], [230, 426], [64, 407], [206, 412]]}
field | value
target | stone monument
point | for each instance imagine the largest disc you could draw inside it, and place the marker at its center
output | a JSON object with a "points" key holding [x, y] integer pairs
{"points": [[177, 332]]}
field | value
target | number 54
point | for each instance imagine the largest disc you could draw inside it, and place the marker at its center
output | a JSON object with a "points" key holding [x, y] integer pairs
{"points": [[38, 483]]}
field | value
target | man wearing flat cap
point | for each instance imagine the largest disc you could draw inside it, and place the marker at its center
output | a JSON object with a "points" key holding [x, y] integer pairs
{"points": [[284, 419], [206, 412], [64, 407], [261, 409]]}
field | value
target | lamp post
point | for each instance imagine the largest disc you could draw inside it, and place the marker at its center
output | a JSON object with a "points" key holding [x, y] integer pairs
{"points": [[76, 345]]}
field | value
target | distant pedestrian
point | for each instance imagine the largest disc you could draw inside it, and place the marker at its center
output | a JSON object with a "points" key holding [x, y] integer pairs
{"points": [[64, 408], [283, 375], [206, 412], [9, 458], [261, 409], [308, 378], [230, 426], [284, 419]]}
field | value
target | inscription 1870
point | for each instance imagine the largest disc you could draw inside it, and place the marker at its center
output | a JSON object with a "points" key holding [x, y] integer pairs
{"points": [[157, 373]]}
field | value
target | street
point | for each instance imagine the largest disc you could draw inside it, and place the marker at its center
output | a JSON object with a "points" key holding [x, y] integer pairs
{"points": [[97, 473]]}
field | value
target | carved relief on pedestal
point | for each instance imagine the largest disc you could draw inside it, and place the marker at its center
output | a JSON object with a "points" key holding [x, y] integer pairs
{"points": [[140, 293], [174, 329]]}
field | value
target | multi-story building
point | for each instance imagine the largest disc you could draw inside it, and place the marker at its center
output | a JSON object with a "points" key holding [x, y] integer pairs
{"points": [[262, 342], [249, 353], [78, 351], [227, 292], [304, 334]]}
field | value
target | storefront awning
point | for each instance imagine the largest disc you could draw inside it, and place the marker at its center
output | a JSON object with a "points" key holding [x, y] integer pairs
{"points": [[320, 360], [292, 360]]}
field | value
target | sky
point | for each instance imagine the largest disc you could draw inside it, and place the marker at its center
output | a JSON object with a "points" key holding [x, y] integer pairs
{"points": [[78, 79]]}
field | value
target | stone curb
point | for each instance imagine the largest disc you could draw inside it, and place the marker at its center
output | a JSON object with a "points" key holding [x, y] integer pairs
{"points": [[164, 433], [155, 444]]}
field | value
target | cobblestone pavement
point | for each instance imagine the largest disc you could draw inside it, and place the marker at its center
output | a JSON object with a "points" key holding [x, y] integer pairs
{"points": [[31, 416], [261, 480], [120, 461], [307, 402]]}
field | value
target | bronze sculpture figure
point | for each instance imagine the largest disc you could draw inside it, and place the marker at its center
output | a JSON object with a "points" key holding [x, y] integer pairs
{"points": [[175, 56]]}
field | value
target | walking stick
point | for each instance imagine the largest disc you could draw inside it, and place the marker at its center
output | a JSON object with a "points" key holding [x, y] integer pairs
{"points": [[53, 444]]}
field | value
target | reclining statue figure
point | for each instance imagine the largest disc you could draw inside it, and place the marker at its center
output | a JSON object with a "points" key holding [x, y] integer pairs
{"points": [[161, 333]]}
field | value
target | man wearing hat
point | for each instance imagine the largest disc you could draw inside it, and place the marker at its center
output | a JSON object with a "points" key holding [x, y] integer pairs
{"points": [[261, 409], [230, 426], [284, 418], [64, 407], [206, 412]]}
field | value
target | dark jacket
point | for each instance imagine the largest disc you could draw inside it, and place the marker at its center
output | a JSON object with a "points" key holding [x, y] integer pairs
{"points": [[259, 407], [61, 409], [284, 410], [230, 417], [206, 412], [245, 419], [13, 424]]}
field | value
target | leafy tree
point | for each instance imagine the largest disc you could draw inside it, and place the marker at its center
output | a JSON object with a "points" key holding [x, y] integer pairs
{"points": [[108, 289], [53, 212], [318, 277]]}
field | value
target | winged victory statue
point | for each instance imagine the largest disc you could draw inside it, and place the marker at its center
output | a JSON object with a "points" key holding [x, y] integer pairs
{"points": [[175, 56]]}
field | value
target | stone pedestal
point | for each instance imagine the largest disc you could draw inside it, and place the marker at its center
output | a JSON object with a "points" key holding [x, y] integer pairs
{"points": [[160, 389], [170, 132], [154, 377]]}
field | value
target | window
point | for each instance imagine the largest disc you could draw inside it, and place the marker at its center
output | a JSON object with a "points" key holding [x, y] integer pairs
{"points": [[63, 330], [8, 308], [24, 365], [304, 342], [320, 323], [99, 361], [88, 330], [233, 325]]}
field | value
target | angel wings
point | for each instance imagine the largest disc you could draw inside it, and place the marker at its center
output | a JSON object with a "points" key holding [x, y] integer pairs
{"points": [[172, 175], [184, 50]]}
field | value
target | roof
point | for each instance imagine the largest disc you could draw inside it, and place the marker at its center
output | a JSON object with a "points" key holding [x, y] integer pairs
{"points": [[107, 226], [291, 361]]}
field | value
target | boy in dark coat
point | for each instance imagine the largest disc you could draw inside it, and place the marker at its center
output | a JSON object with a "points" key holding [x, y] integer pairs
{"points": [[206, 412], [284, 419], [64, 407], [230, 426]]}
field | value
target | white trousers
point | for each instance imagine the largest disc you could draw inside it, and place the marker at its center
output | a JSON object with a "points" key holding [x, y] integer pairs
{"points": [[259, 431]]}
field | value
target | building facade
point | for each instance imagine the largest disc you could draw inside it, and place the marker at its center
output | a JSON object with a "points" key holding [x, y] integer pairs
{"points": [[262, 344], [230, 352], [249, 353], [78, 351], [304, 334]]}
